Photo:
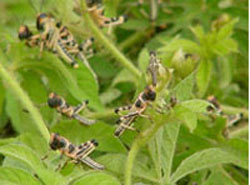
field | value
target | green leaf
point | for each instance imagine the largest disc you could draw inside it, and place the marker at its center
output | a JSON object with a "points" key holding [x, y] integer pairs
{"points": [[162, 149], [169, 141], [201, 160], [143, 60], [110, 95], [33, 86], [176, 44], [79, 82], [20, 119], [2, 98], [220, 176], [22, 157], [198, 32], [226, 71], [97, 178], [224, 47], [227, 30], [40, 148], [111, 8], [203, 77], [16, 176], [185, 115], [88, 87], [196, 105], [124, 76], [184, 89], [237, 148], [22, 153], [115, 164]]}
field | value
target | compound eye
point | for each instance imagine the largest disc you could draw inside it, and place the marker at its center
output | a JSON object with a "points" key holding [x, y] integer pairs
{"points": [[54, 102], [40, 21], [152, 95], [42, 15], [94, 142], [39, 25], [62, 143], [54, 144]]}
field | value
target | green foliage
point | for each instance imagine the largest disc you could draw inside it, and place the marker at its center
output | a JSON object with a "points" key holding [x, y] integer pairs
{"points": [[203, 47]]}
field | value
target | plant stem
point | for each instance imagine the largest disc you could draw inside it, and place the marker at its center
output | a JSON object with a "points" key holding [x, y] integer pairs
{"points": [[139, 142], [103, 40], [234, 110], [15, 88]]}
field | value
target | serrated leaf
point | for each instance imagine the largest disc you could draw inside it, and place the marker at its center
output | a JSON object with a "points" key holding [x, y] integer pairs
{"points": [[201, 160], [16, 176], [196, 105], [203, 77], [97, 178]]}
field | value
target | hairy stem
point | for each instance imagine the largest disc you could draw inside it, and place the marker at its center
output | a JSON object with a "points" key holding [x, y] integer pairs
{"points": [[234, 110], [15, 88], [103, 40], [139, 142]]}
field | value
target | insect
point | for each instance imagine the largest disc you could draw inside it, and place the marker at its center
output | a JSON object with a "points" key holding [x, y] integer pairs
{"points": [[51, 33], [57, 102], [141, 103], [75, 153], [24, 33], [57, 38], [217, 109], [154, 66], [81, 51], [96, 11], [231, 119]]}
